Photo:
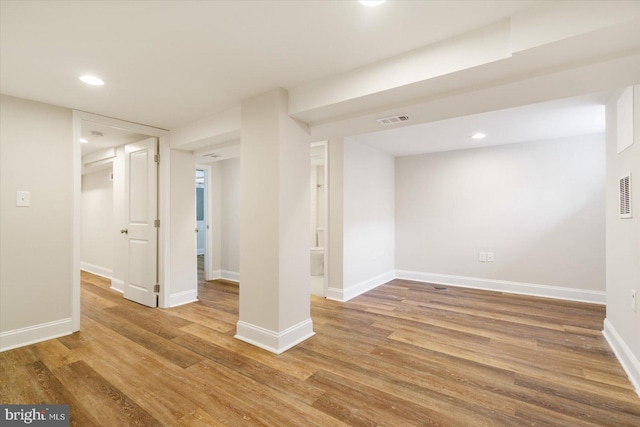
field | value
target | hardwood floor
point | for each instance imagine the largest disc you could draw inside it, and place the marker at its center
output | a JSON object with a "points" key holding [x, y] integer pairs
{"points": [[404, 354]]}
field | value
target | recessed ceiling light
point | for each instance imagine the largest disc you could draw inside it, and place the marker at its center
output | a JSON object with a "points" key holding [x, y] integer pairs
{"points": [[478, 135], [83, 140], [92, 80], [371, 3]]}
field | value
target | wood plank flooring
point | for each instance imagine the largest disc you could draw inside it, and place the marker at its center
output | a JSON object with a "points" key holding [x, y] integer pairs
{"points": [[404, 354]]}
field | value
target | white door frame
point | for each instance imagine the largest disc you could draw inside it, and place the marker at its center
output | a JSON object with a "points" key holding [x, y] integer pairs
{"points": [[325, 145], [163, 200], [208, 216]]}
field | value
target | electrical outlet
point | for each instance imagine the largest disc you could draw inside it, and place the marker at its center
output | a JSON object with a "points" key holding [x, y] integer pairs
{"points": [[489, 256], [482, 256], [633, 300]]}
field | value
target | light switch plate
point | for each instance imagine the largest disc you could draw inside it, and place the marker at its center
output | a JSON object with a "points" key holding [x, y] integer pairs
{"points": [[23, 199]]}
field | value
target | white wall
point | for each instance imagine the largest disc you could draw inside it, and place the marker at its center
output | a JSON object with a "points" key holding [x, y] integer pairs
{"points": [[119, 248], [538, 206], [274, 213], [335, 220], [36, 248], [215, 216], [230, 206], [622, 327], [368, 228], [97, 223], [184, 279]]}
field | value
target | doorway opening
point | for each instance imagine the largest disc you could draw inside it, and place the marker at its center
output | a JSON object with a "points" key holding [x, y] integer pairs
{"points": [[202, 225], [118, 233], [319, 218], [99, 177]]}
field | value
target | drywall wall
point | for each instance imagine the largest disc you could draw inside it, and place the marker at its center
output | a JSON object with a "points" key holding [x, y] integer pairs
{"points": [[36, 145], [368, 227], [274, 213], [97, 235], [120, 258], [215, 218], [230, 206], [335, 220], [538, 206], [184, 279], [622, 326]]}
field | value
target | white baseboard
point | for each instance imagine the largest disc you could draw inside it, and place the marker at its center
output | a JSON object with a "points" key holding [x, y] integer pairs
{"points": [[275, 342], [182, 298], [556, 292], [232, 276], [97, 270], [353, 291], [629, 362], [34, 334], [117, 285]]}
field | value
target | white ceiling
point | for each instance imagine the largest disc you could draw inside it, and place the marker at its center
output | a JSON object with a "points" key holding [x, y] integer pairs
{"points": [[166, 63], [537, 122], [170, 63], [111, 137]]}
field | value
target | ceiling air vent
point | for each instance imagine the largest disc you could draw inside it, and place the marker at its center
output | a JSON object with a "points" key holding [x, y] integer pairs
{"points": [[393, 120], [625, 196], [213, 155]]}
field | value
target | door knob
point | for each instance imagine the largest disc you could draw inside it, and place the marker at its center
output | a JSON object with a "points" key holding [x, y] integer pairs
{"points": [[124, 231]]}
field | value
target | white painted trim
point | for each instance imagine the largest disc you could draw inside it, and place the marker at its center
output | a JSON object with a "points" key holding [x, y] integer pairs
{"points": [[344, 295], [629, 362], [117, 285], [334, 294], [208, 221], [76, 119], [121, 124], [164, 234], [327, 242], [96, 269], [275, 342], [232, 276], [545, 291], [34, 334], [182, 298]]}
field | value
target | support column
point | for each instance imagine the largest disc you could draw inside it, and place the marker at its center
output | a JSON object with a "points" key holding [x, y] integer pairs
{"points": [[274, 223]]}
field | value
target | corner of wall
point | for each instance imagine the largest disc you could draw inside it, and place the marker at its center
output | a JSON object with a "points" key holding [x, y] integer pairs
{"points": [[629, 362]]}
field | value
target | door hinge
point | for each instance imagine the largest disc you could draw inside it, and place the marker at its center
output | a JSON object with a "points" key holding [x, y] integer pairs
{"points": [[156, 223], [156, 158], [156, 288]]}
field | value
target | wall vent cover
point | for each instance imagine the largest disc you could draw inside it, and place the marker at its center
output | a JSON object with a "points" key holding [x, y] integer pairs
{"points": [[386, 121], [625, 196]]}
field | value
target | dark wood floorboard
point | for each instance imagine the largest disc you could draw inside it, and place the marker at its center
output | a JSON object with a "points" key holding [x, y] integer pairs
{"points": [[404, 354]]}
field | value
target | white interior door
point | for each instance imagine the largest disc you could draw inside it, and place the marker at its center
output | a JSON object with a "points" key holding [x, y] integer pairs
{"points": [[141, 212]]}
